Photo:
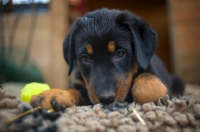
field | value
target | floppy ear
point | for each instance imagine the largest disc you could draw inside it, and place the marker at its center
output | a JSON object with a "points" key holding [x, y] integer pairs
{"points": [[144, 37], [68, 48]]}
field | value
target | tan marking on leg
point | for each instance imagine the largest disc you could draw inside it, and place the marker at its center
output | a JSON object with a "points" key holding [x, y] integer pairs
{"points": [[65, 97], [148, 88], [111, 46], [89, 49]]}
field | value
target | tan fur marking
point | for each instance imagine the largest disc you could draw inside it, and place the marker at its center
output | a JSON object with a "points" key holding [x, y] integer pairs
{"points": [[148, 88], [123, 85], [90, 88], [111, 46], [93, 97], [91, 92], [64, 97], [89, 49]]}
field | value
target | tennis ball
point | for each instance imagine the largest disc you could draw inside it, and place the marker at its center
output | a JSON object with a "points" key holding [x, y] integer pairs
{"points": [[31, 89]]}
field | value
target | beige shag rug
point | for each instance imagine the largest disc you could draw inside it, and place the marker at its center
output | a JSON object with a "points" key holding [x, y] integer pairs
{"points": [[179, 114]]}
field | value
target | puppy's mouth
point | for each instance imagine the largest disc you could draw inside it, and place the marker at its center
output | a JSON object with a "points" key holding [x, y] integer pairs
{"points": [[102, 96], [116, 106], [108, 94]]}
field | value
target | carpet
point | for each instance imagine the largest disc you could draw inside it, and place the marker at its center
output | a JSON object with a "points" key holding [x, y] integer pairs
{"points": [[177, 114]]}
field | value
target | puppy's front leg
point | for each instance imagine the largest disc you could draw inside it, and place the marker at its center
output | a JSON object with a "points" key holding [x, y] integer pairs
{"points": [[148, 88], [58, 99]]}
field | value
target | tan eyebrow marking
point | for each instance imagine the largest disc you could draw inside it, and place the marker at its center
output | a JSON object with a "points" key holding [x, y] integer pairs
{"points": [[111, 46], [89, 49]]}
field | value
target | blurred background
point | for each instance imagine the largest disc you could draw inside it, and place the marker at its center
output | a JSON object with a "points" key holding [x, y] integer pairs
{"points": [[32, 33]]}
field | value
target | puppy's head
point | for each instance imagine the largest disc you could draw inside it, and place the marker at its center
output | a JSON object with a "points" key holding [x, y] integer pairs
{"points": [[108, 46]]}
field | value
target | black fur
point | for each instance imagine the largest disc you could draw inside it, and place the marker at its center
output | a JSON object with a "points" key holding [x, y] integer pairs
{"points": [[131, 34]]}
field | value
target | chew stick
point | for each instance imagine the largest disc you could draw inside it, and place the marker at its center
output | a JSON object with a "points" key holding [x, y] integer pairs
{"points": [[22, 114], [139, 117]]}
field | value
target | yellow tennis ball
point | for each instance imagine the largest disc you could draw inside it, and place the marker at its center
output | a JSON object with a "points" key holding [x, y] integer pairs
{"points": [[31, 89]]}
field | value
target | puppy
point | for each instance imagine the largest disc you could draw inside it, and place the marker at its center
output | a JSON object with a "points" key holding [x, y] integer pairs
{"points": [[112, 54]]}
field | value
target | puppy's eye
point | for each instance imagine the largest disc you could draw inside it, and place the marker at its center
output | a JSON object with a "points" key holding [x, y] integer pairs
{"points": [[120, 54], [85, 58]]}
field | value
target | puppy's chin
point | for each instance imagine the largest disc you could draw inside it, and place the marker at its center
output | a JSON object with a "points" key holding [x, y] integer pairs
{"points": [[116, 106]]}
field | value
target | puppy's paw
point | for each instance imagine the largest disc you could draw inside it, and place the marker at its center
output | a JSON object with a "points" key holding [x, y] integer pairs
{"points": [[148, 88], [164, 101], [58, 99]]}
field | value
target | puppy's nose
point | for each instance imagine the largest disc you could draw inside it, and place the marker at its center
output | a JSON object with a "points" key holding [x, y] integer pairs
{"points": [[107, 99]]}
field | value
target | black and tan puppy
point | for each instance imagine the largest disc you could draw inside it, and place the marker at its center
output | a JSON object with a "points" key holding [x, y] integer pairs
{"points": [[114, 53]]}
